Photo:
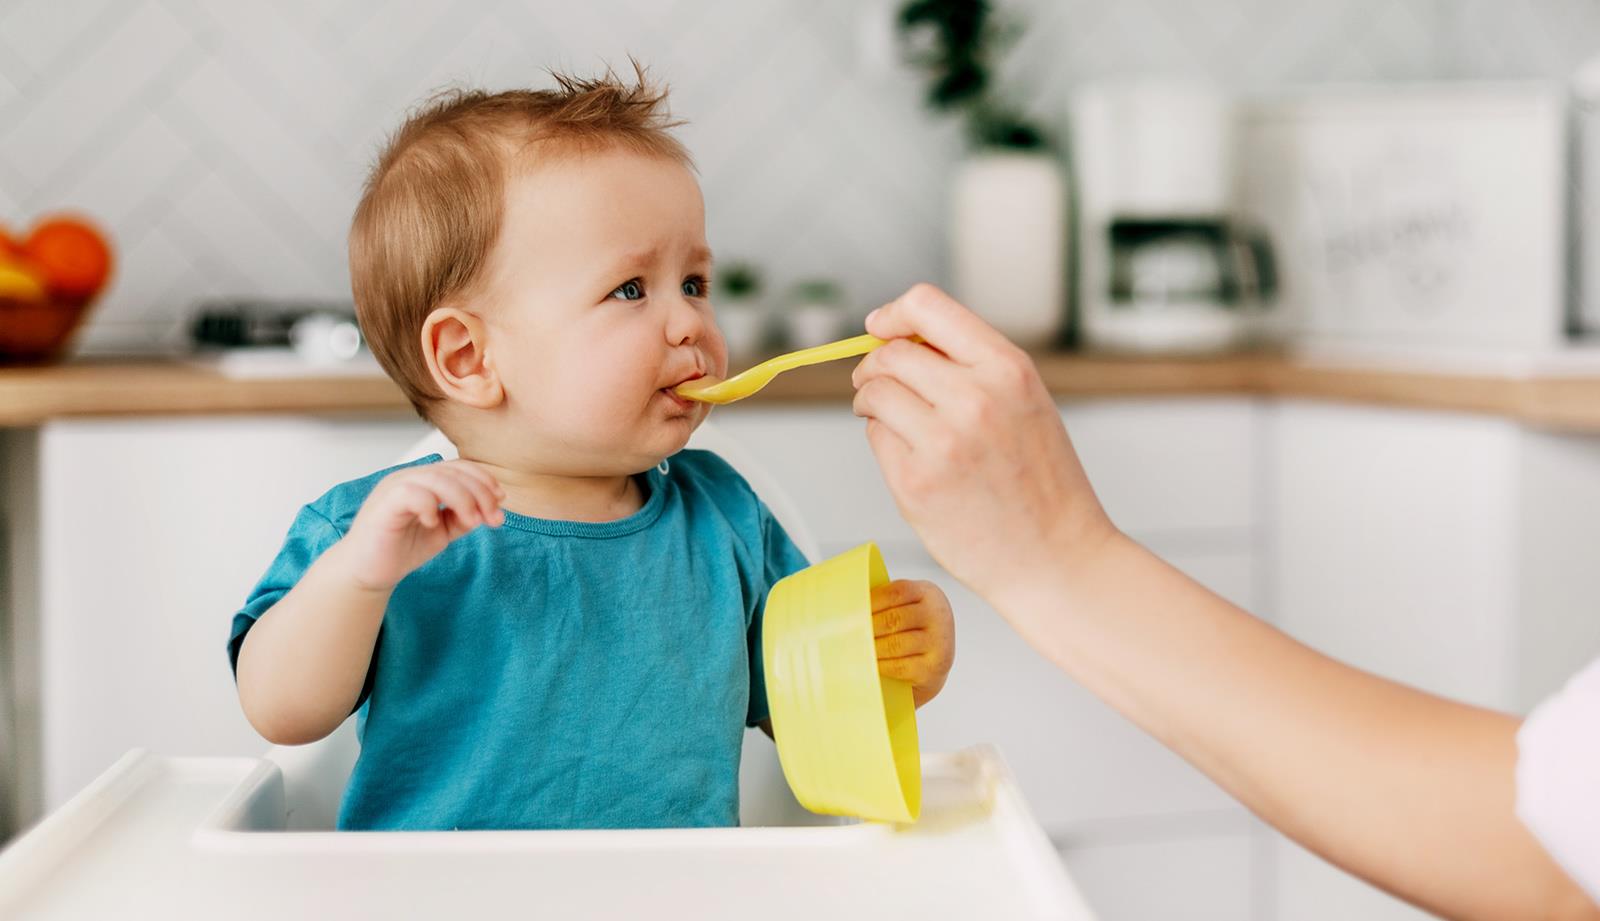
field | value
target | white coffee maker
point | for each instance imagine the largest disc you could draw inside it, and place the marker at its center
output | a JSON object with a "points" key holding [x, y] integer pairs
{"points": [[1163, 265]]}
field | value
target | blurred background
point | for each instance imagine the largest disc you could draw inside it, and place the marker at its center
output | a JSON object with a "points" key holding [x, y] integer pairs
{"points": [[223, 148], [1313, 282]]}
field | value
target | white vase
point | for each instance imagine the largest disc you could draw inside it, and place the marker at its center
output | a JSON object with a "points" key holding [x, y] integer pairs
{"points": [[1008, 244], [814, 324], [744, 327]]}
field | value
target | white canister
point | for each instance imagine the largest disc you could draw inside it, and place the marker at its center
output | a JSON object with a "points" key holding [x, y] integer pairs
{"points": [[1008, 243], [743, 323]]}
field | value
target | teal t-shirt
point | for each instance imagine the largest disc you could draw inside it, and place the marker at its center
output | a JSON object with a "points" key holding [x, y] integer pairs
{"points": [[558, 674]]}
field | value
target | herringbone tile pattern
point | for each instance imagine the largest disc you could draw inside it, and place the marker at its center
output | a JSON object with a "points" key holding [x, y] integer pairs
{"points": [[224, 143]]}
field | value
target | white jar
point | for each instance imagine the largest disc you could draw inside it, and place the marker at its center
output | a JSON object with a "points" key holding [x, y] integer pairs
{"points": [[814, 324], [743, 323], [1008, 243]]}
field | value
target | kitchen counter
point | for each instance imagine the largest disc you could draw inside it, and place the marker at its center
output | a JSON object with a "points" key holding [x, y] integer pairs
{"points": [[30, 396]]}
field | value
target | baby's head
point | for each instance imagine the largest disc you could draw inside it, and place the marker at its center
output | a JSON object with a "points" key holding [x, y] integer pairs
{"points": [[531, 268]]}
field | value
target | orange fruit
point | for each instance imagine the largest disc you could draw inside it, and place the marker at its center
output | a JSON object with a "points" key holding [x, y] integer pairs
{"points": [[9, 246], [72, 255], [16, 281]]}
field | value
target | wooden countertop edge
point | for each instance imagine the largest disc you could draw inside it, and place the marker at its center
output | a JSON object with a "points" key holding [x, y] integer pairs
{"points": [[31, 396]]}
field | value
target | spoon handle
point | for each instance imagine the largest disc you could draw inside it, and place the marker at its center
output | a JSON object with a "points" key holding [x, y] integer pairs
{"points": [[832, 351]]}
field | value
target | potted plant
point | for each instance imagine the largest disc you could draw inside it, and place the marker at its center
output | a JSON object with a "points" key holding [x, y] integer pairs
{"points": [[816, 312], [739, 311], [1008, 243]]}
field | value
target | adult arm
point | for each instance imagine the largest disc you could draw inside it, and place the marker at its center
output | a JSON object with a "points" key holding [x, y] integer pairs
{"points": [[1409, 791]]}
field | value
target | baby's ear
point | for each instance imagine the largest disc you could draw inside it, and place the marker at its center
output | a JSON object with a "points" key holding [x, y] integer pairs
{"points": [[455, 348]]}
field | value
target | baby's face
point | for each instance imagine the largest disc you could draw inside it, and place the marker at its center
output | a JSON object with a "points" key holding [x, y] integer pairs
{"points": [[597, 307]]}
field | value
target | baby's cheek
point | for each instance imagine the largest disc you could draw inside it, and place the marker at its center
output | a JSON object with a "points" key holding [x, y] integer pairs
{"points": [[598, 405], [717, 353], [714, 349]]}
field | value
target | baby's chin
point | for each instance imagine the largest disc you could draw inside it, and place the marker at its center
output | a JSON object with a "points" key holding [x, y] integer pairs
{"points": [[658, 440]]}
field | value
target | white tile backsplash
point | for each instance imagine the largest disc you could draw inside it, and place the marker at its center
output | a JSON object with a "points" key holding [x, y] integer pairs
{"points": [[224, 145]]}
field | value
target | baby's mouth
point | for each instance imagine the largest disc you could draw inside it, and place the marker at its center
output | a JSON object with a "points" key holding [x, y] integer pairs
{"points": [[682, 402]]}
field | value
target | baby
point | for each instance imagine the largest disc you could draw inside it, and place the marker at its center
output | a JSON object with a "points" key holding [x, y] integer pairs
{"points": [[562, 628]]}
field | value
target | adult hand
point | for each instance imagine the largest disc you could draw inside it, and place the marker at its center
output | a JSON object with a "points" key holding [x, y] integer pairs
{"points": [[972, 447]]}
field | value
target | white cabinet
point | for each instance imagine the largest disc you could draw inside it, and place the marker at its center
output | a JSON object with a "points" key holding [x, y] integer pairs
{"points": [[150, 533], [1451, 552], [1207, 871], [1395, 532], [1172, 468], [1309, 888], [1175, 470]]}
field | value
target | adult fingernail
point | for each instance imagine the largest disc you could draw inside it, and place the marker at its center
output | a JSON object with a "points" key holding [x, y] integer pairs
{"points": [[873, 315]]}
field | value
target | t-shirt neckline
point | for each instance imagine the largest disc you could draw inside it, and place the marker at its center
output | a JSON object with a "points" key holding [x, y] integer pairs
{"points": [[652, 481]]}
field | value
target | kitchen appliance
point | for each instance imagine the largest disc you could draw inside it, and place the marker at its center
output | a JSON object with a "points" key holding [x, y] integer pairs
{"points": [[1418, 222], [261, 338], [1584, 314], [1164, 265]]}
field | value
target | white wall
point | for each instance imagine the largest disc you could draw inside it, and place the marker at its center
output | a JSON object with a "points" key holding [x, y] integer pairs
{"points": [[224, 144]]}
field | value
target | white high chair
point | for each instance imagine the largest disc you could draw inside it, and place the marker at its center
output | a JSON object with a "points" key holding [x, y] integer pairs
{"points": [[314, 775], [250, 839]]}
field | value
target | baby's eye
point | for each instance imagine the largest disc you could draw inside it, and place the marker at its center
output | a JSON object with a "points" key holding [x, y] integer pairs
{"points": [[696, 286], [630, 290]]}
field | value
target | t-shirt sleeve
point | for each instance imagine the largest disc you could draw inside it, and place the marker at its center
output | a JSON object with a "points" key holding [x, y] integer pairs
{"points": [[1558, 777], [780, 557], [309, 536]]}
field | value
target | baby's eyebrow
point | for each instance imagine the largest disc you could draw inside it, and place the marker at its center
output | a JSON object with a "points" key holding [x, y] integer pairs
{"points": [[645, 258], [637, 259]]}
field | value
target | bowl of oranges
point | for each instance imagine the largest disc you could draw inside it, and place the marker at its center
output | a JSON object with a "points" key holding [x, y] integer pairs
{"points": [[48, 280]]}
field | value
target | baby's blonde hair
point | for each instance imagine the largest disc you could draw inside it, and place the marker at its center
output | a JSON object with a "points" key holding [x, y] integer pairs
{"points": [[432, 206]]}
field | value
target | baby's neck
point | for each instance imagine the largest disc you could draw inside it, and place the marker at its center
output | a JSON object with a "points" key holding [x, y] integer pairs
{"points": [[568, 498]]}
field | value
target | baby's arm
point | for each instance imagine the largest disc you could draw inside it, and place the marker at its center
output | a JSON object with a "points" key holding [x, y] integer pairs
{"points": [[302, 666]]}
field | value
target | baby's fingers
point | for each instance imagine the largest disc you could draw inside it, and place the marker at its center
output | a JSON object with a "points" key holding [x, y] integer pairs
{"points": [[477, 475], [899, 592], [903, 644], [486, 493], [913, 670], [417, 502], [452, 492], [896, 618]]}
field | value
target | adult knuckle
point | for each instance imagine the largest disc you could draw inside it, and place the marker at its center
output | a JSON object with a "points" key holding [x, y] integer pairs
{"points": [[1016, 370], [921, 292], [866, 368]]}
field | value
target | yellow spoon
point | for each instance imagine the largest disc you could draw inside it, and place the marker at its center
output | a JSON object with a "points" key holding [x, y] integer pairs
{"points": [[711, 390]]}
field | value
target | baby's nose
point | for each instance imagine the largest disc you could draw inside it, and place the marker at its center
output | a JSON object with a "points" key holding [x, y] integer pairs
{"points": [[686, 324]]}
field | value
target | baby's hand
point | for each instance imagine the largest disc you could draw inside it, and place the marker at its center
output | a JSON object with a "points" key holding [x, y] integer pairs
{"points": [[916, 635], [414, 513]]}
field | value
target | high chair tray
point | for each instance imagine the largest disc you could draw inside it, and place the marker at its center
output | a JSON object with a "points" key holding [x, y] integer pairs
{"points": [[173, 838]]}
